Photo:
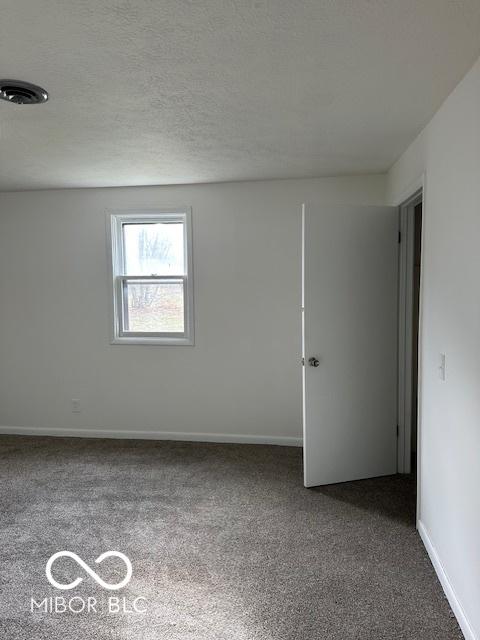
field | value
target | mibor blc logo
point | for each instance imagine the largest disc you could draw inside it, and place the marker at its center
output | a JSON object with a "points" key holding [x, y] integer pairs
{"points": [[88, 604], [91, 572]]}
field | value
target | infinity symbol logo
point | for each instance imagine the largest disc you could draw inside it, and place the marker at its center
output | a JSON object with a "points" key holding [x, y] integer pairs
{"points": [[95, 576]]}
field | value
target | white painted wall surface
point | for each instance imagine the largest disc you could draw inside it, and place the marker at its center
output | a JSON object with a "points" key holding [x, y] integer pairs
{"points": [[241, 380], [448, 150]]}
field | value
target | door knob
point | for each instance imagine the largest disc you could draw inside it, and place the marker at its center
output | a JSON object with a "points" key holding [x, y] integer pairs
{"points": [[313, 362]]}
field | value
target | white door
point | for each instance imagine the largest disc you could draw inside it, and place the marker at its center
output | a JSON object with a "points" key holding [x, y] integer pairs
{"points": [[350, 262]]}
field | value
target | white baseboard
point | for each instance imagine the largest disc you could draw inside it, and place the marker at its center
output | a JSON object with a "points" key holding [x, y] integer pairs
{"points": [[152, 435], [455, 605]]}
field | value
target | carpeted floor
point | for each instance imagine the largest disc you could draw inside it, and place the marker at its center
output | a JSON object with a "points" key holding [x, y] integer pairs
{"points": [[224, 541]]}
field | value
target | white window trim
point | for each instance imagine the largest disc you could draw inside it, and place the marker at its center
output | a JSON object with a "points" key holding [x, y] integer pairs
{"points": [[115, 220]]}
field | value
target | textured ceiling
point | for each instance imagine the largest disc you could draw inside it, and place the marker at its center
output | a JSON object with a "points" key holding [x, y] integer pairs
{"points": [[173, 91]]}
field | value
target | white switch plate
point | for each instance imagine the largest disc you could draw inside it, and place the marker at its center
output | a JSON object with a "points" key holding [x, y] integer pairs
{"points": [[441, 368]]}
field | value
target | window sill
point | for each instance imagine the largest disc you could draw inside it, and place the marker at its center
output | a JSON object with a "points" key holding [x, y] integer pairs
{"points": [[165, 342]]}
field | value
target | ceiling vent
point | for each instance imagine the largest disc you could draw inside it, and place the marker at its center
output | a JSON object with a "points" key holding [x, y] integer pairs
{"points": [[22, 92]]}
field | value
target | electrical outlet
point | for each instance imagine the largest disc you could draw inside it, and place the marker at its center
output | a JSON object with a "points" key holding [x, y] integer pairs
{"points": [[76, 408]]}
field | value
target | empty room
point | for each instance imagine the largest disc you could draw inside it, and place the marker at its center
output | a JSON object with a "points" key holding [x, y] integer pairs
{"points": [[239, 320]]}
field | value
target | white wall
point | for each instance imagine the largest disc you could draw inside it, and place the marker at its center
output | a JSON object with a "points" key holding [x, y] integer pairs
{"points": [[448, 150], [243, 375]]}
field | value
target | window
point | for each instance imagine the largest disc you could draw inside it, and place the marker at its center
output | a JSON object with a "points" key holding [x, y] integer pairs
{"points": [[152, 277]]}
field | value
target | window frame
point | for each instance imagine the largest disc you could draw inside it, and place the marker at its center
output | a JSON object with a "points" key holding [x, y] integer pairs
{"points": [[115, 221]]}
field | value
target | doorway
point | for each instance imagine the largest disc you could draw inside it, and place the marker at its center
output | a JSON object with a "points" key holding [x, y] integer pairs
{"points": [[417, 265], [360, 313], [410, 237]]}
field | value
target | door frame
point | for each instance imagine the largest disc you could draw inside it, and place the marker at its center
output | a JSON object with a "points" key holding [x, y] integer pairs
{"points": [[405, 329], [411, 197]]}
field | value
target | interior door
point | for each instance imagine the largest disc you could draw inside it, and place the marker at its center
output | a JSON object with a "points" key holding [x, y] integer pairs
{"points": [[350, 262]]}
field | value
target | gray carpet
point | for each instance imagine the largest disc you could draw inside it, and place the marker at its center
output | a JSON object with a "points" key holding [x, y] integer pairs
{"points": [[224, 541]]}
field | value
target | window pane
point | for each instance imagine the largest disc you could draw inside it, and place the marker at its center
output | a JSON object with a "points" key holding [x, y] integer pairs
{"points": [[154, 249], [154, 306]]}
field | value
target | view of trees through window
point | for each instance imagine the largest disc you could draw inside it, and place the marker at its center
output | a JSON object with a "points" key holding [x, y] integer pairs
{"points": [[154, 249]]}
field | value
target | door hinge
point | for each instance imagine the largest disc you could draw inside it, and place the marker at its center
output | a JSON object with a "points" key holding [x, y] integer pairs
{"points": [[303, 362], [399, 237], [398, 430]]}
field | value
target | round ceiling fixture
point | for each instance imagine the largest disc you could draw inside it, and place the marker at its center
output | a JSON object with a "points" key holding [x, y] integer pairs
{"points": [[22, 92]]}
